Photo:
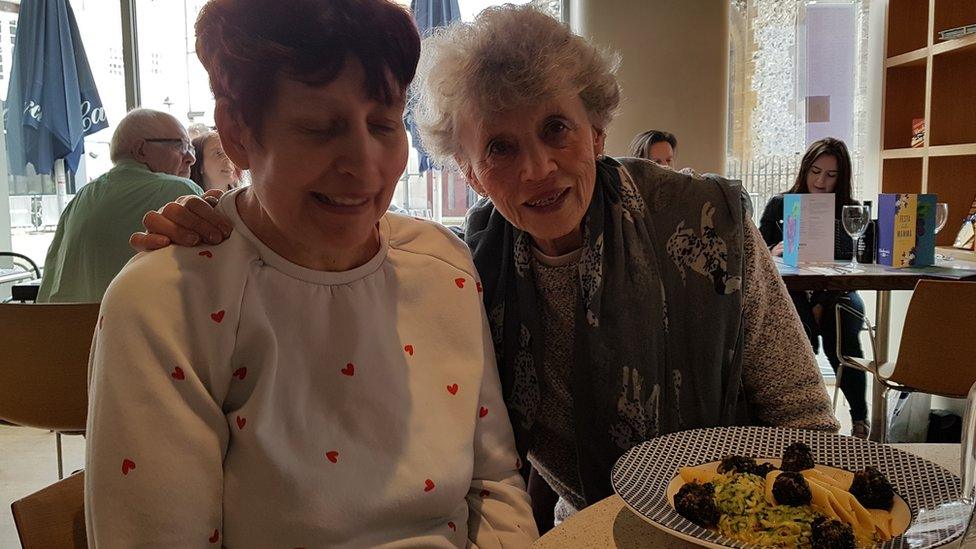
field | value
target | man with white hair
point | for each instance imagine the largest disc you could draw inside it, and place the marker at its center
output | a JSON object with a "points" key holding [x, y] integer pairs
{"points": [[152, 156]]}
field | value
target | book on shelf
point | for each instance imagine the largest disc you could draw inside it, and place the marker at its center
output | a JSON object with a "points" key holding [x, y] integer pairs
{"points": [[918, 132], [957, 32]]}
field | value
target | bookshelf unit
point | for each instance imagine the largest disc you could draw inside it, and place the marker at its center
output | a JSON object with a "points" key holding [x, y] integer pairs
{"points": [[925, 77]]}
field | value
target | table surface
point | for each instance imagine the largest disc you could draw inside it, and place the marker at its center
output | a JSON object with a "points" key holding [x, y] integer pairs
{"points": [[609, 523], [834, 275]]}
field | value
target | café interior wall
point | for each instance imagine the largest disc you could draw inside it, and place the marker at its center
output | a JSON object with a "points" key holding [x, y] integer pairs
{"points": [[673, 75]]}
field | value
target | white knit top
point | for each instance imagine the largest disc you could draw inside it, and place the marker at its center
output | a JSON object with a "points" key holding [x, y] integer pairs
{"points": [[239, 399]]}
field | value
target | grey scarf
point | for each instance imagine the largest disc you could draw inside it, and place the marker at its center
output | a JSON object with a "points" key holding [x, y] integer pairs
{"points": [[657, 245]]}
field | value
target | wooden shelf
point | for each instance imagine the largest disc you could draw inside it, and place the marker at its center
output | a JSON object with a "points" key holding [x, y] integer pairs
{"points": [[904, 101], [953, 109], [951, 179], [901, 175], [949, 14], [908, 27], [916, 152], [952, 150], [955, 253], [950, 47], [913, 58]]}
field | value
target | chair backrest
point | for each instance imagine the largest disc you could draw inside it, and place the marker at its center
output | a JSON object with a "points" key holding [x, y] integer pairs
{"points": [[44, 352], [937, 354], [54, 517]]}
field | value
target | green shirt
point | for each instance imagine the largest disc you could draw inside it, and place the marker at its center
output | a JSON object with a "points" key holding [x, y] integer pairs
{"points": [[91, 244]]}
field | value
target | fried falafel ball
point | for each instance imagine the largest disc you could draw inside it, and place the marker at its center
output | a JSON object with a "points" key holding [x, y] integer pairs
{"points": [[790, 488], [696, 502], [872, 489], [797, 457], [737, 464], [831, 534], [763, 469]]}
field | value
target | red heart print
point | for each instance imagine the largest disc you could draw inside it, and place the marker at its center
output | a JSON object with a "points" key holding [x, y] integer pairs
{"points": [[127, 465], [241, 422], [240, 373], [452, 526], [217, 317], [332, 456], [453, 389], [408, 349], [205, 253], [484, 493], [478, 286], [349, 370], [428, 485], [460, 282], [483, 412], [178, 374], [215, 537]]}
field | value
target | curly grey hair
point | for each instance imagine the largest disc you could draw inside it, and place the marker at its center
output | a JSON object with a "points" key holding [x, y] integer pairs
{"points": [[509, 56]]}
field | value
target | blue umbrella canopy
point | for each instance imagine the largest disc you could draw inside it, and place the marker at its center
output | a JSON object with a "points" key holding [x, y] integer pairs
{"points": [[429, 14], [52, 101]]}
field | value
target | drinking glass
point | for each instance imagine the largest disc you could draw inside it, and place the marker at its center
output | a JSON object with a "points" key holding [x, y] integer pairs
{"points": [[855, 221], [941, 215]]}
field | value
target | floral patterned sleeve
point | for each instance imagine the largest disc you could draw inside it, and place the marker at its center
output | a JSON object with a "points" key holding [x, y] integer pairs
{"points": [[780, 374]]}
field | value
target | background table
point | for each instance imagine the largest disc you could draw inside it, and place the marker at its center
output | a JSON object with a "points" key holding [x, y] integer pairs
{"points": [[835, 276], [609, 523]]}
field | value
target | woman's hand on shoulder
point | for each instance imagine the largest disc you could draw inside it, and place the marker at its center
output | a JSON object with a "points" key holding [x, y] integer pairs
{"points": [[187, 221]]}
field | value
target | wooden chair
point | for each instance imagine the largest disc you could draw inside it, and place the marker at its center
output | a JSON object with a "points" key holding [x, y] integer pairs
{"points": [[936, 351], [54, 517], [44, 366]]}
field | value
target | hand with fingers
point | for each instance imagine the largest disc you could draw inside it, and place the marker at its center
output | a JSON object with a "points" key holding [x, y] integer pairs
{"points": [[188, 221]]}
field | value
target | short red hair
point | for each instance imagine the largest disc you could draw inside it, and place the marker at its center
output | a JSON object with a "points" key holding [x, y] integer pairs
{"points": [[246, 44]]}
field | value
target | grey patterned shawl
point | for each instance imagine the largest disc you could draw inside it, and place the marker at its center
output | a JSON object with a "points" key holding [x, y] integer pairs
{"points": [[658, 339]]}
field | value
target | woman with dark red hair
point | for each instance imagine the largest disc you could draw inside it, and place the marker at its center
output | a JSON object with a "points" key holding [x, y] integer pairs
{"points": [[326, 377]]}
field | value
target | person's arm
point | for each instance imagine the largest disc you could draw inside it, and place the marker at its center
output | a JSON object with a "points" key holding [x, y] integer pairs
{"points": [[156, 435], [769, 227], [187, 220], [780, 374], [500, 513]]}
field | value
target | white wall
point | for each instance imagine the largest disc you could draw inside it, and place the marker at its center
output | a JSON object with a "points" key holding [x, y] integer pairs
{"points": [[674, 73]]}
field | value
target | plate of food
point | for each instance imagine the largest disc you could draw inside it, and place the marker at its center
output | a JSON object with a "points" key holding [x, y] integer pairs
{"points": [[771, 487]]}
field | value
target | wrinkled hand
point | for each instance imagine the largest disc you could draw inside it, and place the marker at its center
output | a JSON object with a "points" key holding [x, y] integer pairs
{"points": [[777, 250], [187, 221]]}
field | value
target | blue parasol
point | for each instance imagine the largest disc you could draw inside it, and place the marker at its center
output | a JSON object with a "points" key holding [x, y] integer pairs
{"points": [[429, 14], [52, 102]]}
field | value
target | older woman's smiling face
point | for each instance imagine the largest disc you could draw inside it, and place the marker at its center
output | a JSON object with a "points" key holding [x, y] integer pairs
{"points": [[538, 166]]}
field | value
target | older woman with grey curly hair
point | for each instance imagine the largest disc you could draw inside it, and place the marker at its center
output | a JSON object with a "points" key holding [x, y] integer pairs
{"points": [[625, 301]]}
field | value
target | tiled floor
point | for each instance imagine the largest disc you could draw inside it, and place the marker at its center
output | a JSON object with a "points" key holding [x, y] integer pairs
{"points": [[28, 463]]}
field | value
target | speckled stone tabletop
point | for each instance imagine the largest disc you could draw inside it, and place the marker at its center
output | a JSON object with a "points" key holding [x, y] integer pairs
{"points": [[609, 523]]}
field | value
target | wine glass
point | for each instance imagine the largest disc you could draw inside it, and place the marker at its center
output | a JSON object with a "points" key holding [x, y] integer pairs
{"points": [[941, 216], [855, 221]]}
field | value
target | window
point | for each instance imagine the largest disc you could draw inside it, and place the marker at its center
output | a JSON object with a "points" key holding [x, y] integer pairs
{"points": [[443, 194], [797, 74]]}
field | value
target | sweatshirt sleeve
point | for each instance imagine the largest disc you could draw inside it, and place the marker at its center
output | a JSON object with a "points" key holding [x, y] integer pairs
{"points": [[780, 374], [156, 435], [500, 513]]}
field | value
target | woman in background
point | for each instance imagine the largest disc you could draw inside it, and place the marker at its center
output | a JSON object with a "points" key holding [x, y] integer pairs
{"points": [[213, 170], [826, 168]]}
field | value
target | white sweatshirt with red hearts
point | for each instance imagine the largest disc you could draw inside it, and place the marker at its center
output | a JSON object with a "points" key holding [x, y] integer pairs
{"points": [[240, 400]]}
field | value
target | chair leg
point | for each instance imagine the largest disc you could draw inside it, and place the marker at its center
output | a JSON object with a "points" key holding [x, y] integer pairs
{"points": [[837, 378], [57, 438], [884, 418]]}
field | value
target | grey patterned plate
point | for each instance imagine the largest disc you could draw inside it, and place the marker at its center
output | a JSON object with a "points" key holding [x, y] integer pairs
{"points": [[641, 477]]}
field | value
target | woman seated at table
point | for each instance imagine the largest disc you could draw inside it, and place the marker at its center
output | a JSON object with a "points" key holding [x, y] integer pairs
{"points": [[213, 169], [826, 168], [324, 378], [625, 300]]}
